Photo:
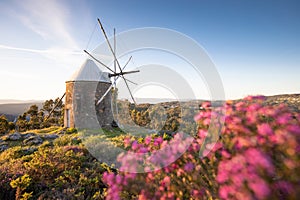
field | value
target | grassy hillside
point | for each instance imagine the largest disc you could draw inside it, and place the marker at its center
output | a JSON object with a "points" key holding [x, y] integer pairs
{"points": [[256, 157]]}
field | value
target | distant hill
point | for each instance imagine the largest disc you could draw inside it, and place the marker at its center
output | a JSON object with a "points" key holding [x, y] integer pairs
{"points": [[291, 100], [13, 110], [16, 101]]}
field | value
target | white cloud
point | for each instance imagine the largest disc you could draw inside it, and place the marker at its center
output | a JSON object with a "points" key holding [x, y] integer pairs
{"points": [[64, 56], [49, 19], [68, 57]]}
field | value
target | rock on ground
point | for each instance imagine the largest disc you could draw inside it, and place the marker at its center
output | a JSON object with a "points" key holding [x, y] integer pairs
{"points": [[14, 136], [33, 140]]}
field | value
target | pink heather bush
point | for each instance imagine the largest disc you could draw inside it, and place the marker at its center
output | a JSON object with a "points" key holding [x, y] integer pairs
{"points": [[256, 157]]}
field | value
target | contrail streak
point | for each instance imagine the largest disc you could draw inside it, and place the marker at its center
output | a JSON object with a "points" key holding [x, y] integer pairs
{"points": [[41, 51]]}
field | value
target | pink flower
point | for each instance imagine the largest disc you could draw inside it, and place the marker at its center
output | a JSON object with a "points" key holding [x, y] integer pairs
{"points": [[148, 140], [119, 179], [238, 179], [254, 107], [251, 117], [197, 193], [260, 188], [241, 106], [206, 104], [257, 158], [206, 121], [225, 154], [202, 115], [158, 140], [264, 129], [126, 141], [189, 167], [258, 97], [222, 176], [202, 133], [284, 187], [225, 191], [283, 119], [143, 150], [294, 129], [166, 181], [134, 145], [198, 116], [108, 178]]}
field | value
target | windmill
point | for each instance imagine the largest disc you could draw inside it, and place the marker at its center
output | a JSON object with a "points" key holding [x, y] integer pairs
{"points": [[116, 63], [88, 78]]}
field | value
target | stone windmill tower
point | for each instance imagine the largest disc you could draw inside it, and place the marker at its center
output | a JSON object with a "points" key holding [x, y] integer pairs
{"points": [[88, 84]]}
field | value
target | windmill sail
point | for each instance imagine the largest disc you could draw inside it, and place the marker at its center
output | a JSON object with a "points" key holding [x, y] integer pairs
{"points": [[116, 60], [116, 63]]}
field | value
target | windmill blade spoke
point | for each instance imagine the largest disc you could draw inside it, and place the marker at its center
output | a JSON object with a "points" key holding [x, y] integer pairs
{"points": [[128, 89], [116, 60], [123, 73], [110, 87], [115, 49], [131, 81], [127, 62], [109, 45], [104, 95], [98, 61], [55, 107]]}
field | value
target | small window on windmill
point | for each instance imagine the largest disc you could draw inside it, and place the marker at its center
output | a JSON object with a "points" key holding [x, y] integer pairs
{"points": [[78, 102], [68, 117]]}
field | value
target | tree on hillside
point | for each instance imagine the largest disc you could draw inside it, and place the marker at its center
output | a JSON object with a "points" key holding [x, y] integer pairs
{"points": [[58, 111], [11, 126], [35, 118], [34, 122], [47, 106], [3, 124], [56, 117], [22, 124]]}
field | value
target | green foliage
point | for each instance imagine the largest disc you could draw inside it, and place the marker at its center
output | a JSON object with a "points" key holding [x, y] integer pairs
{"points": [[169, 116], [35, 118], [46, 144], [11, 126], [26, 196], [71, 130], [22, 123], [21, 184], [11, 153], [56, 117], [166, 136], [49, 130], [4, 126], [64, 172], [67, 140]]}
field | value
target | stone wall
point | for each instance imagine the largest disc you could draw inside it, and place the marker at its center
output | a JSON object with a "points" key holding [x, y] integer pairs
{"points": [[69, 105], [81, 99], [104, 109]]}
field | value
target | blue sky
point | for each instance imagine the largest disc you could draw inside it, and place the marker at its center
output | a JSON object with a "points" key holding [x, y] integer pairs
{"points": [[255, 45]]}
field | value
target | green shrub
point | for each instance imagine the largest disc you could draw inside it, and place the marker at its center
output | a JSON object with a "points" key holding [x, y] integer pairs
{"points": [[4, 126], [67, 140], [71, 130], [21, 184]]}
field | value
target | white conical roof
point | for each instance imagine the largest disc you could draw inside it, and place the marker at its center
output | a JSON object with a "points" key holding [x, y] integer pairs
{"points": [[89, 71]]}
